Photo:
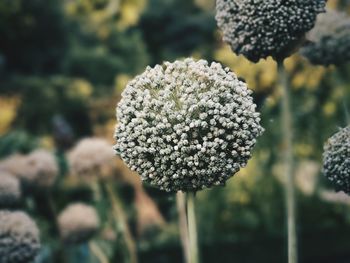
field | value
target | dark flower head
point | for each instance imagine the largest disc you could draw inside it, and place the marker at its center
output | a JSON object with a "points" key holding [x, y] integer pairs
{"points": [[329, 40], [336, 160], [261, 28]]}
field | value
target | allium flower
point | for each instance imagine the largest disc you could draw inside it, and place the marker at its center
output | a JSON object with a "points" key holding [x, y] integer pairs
{"points": [[10, 189], [19, 238], [42, 168], [329, 40], [91, 157], [78, 223], [261, 28], [186, 125], [336, 160], [38, 168], [15, 165]]}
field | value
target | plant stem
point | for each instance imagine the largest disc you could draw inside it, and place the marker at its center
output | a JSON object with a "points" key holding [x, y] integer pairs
{"points": [[346, 111], [97, 251], [53, 210], [121, 221], [192, 228], [287, 133], [338, 80], [181, 208], [61, 251]]}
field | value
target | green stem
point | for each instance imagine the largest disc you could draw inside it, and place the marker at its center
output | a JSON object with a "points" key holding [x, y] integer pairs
{"points": [[192, 228], [183, 227], [97, 251], [121, 221], [287, 133], [347, 115], [338, 79], [61, 252]]}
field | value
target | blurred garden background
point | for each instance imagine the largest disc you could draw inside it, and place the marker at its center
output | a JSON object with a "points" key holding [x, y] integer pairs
{"points": [[63, 66]]}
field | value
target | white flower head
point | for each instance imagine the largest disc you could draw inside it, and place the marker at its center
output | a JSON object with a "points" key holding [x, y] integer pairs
{"points": [[19, 238], [186, 125], [78, 223], [92, 157], [261, 28], [15, 164], [42, 168], [39, 168]]}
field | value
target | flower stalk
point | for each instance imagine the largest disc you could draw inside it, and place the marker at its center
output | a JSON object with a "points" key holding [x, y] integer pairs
{"points": [[121, 222], [346, 112], [287, 131], [192, 228], [183, 226], [97, 251]]}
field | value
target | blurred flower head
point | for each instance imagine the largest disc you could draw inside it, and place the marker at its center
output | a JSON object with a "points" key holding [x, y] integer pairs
{"points": [[92, 157], [329, 40], [306, 176], [78, 223], [337, 198], [19, 238], [10, 189], [39, 168], [261, 28], [14, 164], [186, 125], [42, 168], [336, 160]]}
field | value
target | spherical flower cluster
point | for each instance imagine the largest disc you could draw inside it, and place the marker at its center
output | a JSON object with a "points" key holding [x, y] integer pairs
{"points": [[42, 168], [15, 165], [78, 223], [329, 40], [91, 157], [39, 168], [336, 160], [10, 189], [19, 238], [261, 28], [186, 125]]}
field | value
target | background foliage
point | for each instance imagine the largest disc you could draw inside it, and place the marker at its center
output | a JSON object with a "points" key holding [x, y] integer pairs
{"points": [[72, 59]]}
